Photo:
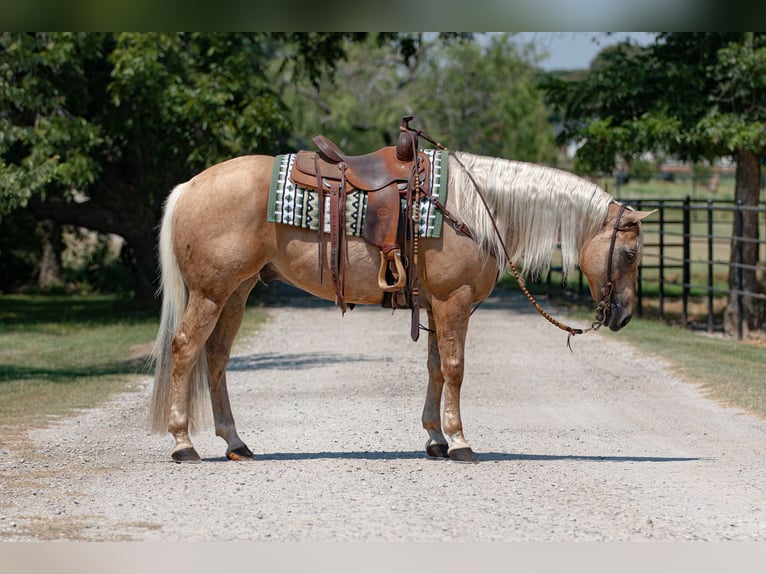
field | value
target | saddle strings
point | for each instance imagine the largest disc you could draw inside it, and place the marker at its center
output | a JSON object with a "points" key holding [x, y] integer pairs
{"points": [[600, 318]]}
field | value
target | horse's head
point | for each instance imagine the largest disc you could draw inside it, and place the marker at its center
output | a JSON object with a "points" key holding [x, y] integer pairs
{"points": [[610, 262]]}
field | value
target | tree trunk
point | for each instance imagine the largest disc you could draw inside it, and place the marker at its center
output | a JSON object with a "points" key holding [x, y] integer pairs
{"points": [[140, 256], [50, 275], [742, 308], [129, 222]]}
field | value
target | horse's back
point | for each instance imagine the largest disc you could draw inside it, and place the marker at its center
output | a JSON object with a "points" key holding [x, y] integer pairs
{"points": [[238, 180]]}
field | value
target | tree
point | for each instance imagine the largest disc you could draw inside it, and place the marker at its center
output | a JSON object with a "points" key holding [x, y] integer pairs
{"points": [[359, 107], [20, 250], [473, 96], [693, 95], [486, 100], [95, 129]]}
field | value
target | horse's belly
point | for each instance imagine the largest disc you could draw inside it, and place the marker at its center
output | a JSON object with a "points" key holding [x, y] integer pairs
{"points": [[297, 263]]}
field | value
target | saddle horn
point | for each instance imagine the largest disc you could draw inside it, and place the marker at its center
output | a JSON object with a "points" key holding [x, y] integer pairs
{"points": [[407, 143]]}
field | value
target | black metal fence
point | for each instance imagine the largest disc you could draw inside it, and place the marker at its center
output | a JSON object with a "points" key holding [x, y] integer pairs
{"points": [[688, 247]]}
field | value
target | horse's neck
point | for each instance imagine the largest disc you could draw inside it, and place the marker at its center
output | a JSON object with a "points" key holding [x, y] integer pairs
{"points": [[535, 207]]}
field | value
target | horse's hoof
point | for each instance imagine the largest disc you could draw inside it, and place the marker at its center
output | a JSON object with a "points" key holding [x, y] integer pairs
{"points": [[240, 453], [464, 454], [437, 450], [187, 454]]}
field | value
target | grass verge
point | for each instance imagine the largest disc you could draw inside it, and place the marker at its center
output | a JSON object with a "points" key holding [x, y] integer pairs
{"points": [[62, 354]]}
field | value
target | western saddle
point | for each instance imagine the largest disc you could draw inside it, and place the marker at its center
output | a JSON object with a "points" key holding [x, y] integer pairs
{"points": [[388, 176]]}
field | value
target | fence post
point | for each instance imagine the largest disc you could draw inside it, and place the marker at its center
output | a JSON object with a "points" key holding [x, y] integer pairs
{"points": [[709, 265], [740, 271], [639, 285], [686, 263], [661, 304]]}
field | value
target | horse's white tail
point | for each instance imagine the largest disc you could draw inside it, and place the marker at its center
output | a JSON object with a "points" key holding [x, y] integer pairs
{"points": [[174, 300]]}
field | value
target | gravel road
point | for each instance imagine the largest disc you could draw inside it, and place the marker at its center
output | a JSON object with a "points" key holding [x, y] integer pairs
{"points": [[603, 444]]}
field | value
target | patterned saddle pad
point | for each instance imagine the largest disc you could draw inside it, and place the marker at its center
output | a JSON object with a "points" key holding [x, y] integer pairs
{"points": [[293, 205]]}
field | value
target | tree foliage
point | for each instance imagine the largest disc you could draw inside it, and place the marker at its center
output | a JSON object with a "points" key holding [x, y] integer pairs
{"points": [[695, 95], [472, 96], [45, 139], [692, 95], [486, 100], [96, 128]]}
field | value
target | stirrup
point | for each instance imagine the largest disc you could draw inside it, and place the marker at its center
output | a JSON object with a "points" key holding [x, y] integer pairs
{"points": [[396, 256]]}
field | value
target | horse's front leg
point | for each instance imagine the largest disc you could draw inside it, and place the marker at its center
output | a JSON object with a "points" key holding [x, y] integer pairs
{"points": [[436, 446], [451, 322]]}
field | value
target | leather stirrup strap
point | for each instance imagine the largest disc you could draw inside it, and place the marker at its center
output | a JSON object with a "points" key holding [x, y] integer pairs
{"points": [[338, 238], [320, 239]]}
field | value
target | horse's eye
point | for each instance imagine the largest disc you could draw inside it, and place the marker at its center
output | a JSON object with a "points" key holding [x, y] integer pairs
{"points": [[630, 256]]}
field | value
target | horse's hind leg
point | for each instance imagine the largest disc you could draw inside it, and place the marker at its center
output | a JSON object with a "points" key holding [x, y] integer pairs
{"points": [[218, 351], [437, 444], [197, 325]]}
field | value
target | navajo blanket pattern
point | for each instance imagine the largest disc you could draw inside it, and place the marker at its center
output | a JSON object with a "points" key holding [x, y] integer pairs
{"points": [[294, 205]]}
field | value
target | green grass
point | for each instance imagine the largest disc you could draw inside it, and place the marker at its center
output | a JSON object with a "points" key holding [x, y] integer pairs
{"points": [[59, 354], [655, 189]]}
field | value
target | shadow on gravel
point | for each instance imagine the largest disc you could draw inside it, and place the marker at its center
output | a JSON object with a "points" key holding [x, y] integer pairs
{"points": [[282, 295], [483, 457], [501, 456], [292, 361]]}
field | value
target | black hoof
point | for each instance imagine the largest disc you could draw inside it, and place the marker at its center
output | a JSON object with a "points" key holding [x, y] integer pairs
{"points": [[437, 450], [187, 454], [240, 453], [464, 454]]}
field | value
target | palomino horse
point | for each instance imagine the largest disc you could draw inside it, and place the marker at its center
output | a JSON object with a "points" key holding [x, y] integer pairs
{"points": [[215, 244]]}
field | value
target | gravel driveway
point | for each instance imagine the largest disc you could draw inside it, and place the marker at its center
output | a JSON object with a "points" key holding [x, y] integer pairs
{"points": [[601, 444]]}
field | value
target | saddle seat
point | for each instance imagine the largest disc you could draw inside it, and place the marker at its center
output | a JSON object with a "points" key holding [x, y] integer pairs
{"points": [[368, 172]]}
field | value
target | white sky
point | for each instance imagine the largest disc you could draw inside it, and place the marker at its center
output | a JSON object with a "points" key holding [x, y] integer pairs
{"points": [[575, 50]]}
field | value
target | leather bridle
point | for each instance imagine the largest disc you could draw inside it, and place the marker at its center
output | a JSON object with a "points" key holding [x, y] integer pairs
{"points": [[608, 288]]}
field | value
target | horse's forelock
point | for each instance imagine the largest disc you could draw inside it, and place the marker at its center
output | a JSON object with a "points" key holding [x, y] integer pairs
{"points": [[536, 207]]}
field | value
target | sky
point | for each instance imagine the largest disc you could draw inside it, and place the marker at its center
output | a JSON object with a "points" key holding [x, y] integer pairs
{"points": [[576, 50]]}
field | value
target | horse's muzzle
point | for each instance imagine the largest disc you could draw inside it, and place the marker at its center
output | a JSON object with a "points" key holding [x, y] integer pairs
{"points": [[618, 317]]}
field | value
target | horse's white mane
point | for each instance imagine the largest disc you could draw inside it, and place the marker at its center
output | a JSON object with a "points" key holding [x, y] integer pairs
{"points": [[535, 207]]}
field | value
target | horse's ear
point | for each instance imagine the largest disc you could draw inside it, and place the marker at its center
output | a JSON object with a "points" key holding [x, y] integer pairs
{"points": [[636, 216]]}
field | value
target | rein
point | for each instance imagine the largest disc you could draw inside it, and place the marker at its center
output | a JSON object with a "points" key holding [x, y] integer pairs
{"points": [[606, 291]]}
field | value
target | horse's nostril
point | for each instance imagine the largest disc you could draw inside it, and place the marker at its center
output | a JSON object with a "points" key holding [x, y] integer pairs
{"points": [[619, 318]]}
